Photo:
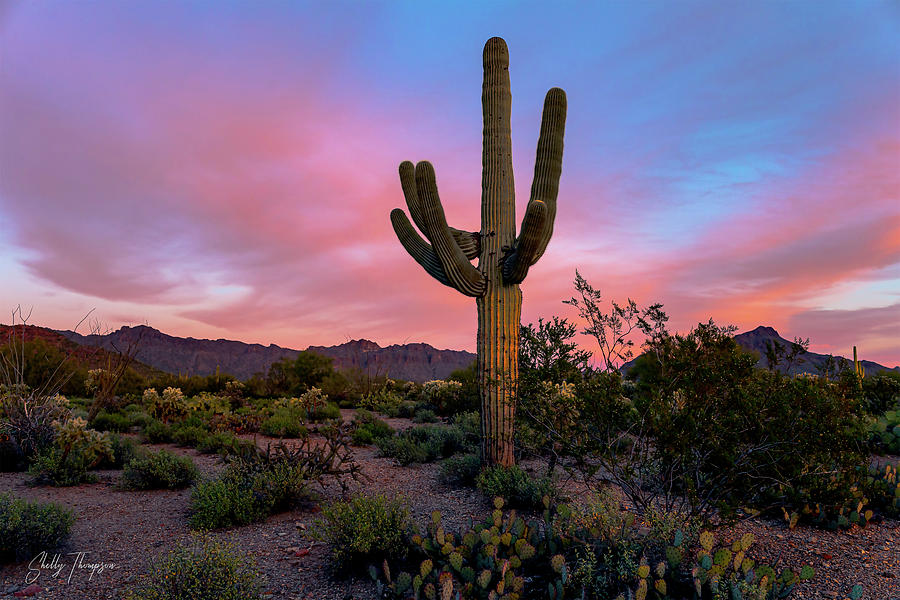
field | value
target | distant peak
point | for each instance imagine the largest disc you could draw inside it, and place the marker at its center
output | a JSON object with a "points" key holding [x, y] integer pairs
{"points": [[766, 331]]}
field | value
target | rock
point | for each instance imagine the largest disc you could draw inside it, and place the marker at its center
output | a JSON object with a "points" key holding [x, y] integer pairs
{"points": [[31, 590]]}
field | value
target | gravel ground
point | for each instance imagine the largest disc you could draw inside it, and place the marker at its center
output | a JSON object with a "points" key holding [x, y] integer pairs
{"points": [[128, 529]]}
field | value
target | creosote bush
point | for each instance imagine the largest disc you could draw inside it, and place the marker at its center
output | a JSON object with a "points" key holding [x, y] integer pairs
{"points": [[257, 483], [426, 444], [461, 470], [515, 486], [202, 569], [27, 528], [369, 429], [285, 423], [363, 529], [159, 470]]}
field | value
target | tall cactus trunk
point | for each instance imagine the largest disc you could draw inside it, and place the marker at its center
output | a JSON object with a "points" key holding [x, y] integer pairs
{"points": [[503, 258], [499, 314], [500, 308]]}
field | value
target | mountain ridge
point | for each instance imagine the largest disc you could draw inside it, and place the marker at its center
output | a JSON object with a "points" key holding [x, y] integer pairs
{"points": [[808, 362], [417, 361], [193, 356]]}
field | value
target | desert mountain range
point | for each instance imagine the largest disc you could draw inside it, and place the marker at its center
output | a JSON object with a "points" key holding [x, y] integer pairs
{"points": [[412, 362]]}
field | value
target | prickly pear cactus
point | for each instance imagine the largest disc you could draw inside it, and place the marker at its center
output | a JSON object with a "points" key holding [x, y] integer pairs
{"points": [[503, 257]]}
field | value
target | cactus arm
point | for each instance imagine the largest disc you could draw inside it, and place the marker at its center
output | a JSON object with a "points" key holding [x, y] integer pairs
{"points": [[461, 273], [537, 225], [548, 163], [419, 249], [518, 259], [469, 242]]}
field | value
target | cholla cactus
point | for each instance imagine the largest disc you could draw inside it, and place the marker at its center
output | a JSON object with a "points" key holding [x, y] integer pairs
{"points": [[171, 405], [503, 257], [74, 436], [94, 379]]}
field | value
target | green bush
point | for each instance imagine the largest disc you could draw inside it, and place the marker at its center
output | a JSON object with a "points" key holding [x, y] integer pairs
{"points": [[157, 432], [461, 470], [159, 470], [189, 436], [284, 423], [363, 529], [325, 412], [246, 492], [515, 486], [206, 569], [27, 528], [425, 416], [107, 421], [224, 443], [382, 400], [123, 451], [425, 444], [369, 429], [52, 467]]}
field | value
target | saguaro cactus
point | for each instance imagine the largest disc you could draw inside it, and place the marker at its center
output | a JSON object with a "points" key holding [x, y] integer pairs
{"points": [[503, 258]]}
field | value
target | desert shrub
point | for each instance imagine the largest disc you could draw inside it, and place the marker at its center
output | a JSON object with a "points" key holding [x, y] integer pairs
{"points": [[284, 423], [425, 416], [223, 442], [325, 412], [368, 428], [76, 450], [425, 444], [189, 436], [363, 529], [111, 421], [137, 418], [548, 406], [246, 492], [704, 430], [407, 409], [382, 400], [209, 404], [515, 486], [28, 419], [27, 528], [881, 392], [51, 468], [157, 432], [243, 420], [203, 569], [258, 483], [461, 470], [470, 424], [123, 450], [159, 470]]}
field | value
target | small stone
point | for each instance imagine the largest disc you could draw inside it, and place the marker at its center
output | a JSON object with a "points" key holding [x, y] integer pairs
{"points": [[31, 590]]}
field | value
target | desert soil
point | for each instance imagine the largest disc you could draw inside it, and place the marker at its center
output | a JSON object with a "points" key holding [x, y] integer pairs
{"points": [[129, 529]]}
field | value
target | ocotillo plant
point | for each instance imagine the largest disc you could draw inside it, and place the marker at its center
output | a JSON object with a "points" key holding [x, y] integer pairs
{"points": [[503, 258]]}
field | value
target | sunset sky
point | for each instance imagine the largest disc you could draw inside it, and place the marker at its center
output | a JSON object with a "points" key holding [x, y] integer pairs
{"points": [[226, 169]]}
